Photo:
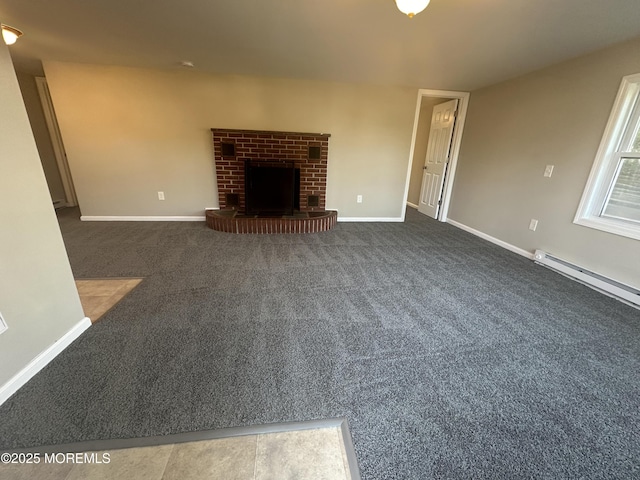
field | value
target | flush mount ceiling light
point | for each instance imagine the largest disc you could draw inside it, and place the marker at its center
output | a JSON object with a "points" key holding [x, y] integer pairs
{"points": [[10, 34], [412, 7]]}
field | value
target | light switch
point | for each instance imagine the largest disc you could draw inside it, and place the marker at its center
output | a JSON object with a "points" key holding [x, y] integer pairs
{"points": [[548, 171]]}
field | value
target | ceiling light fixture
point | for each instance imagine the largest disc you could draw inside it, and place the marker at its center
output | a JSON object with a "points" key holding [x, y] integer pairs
{"points": [[412, 7], [10, 34]]}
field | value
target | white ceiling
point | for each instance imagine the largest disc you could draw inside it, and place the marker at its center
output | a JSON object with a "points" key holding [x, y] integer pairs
{"points": [[453, 44]]}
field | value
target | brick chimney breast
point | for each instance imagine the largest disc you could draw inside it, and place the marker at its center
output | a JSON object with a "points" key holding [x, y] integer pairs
{"points": [[308, 151]]}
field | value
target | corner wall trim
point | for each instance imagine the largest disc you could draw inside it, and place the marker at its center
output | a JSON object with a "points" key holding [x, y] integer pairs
{"points": [[501, 243], [42, 360], [370, 219], [180, 218]]}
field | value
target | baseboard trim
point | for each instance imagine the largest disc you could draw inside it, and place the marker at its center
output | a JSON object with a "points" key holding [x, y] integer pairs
{"points": [[117, 218], [501, 243], [42, 360], [370, 219], [197, 218], [412, 205]]}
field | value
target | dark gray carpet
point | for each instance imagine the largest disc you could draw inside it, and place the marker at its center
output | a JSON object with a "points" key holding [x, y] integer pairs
{"points": [[450, 357]]}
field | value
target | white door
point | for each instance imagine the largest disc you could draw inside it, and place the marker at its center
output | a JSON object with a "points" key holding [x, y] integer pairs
{"points": [[435, 163]]}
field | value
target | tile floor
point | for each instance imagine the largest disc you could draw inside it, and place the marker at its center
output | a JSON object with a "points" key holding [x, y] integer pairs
{"points": [[302, 454], [99, 295]]}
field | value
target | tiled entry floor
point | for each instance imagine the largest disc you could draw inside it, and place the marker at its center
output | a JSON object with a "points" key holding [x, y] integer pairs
{"points": [[319, 453], [99, 295]]}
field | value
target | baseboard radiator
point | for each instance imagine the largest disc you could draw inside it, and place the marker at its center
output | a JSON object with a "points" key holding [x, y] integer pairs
{"points": [[604, 284]]}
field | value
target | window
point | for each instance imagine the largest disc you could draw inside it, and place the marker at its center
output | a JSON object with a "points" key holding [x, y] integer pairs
{"points": [[611, 200]]}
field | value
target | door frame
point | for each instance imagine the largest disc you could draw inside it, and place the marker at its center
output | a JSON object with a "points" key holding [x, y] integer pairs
{"points": [[56, 141], [447, 189]]}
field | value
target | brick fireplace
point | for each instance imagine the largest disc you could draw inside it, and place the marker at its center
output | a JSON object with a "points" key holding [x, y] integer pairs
{"points": [[308, 152]]}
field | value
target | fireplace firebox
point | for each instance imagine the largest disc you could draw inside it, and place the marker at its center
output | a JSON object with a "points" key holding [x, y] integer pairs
{"points": [[270, 188]]}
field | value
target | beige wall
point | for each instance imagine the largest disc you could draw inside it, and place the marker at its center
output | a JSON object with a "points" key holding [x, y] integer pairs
{"points": [[420, 149], [554, 116], [130, 133], [33, 105], [38, 298]]}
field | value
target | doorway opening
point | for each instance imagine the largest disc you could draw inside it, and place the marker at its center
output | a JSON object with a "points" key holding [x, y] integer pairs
{"points": [[57, 147], [435, 145]]}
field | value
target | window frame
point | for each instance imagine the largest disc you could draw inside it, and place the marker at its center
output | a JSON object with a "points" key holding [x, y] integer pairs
{"points": [[625, 112]]}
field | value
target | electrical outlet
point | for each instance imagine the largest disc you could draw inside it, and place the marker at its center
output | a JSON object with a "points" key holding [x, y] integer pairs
{"points": [[359, 199], [533, 224], [548, 171], [160, 195]]}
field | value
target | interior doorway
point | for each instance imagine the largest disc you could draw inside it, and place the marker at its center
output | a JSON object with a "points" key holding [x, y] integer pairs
{"points": [[434, 187], [55, 137]]}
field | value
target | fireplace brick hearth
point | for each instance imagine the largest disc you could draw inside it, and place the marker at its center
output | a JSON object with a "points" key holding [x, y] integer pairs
{"points": [[308, 222], [309, 154]]}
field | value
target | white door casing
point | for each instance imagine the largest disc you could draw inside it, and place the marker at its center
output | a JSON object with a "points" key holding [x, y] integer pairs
{"points": [[56, 141], [437, 158]]}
